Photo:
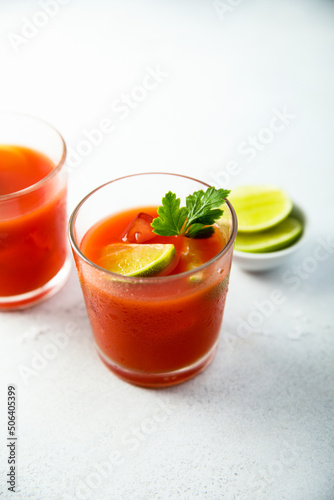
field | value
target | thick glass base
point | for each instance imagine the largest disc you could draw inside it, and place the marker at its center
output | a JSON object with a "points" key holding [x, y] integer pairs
{"points": [[34, 297], [165, 379]]}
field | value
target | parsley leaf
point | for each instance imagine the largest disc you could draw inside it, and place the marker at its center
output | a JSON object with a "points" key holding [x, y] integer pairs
{"points": [[171, 217], [199, 231], [195, 219]]}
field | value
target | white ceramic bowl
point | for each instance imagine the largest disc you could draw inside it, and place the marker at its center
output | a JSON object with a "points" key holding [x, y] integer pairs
{"points": [[269, 260]]}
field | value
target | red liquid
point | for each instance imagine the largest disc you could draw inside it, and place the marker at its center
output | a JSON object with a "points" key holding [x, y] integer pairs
{"points": [[21, 167], [111, 230], [32, 225], [155, 328]]}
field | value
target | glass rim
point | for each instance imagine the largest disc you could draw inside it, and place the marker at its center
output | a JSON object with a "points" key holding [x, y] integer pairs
{"points": [[58, 166], [149, 279]]}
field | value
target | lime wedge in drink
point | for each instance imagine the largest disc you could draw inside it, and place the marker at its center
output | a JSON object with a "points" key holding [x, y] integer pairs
{"points": [[137, 260], [259, 207], [278, 237]]}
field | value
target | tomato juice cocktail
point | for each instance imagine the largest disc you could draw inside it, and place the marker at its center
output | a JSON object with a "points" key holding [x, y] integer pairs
{"points": [[33, 246], [159, 330]]}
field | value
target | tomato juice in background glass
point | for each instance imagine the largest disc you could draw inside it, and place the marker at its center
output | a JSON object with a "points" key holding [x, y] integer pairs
{"points": [[152, 331], [33, 184]]}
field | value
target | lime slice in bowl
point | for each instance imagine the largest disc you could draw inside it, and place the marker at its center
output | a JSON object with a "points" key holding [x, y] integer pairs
{"points": [[276, 238], [138, 260], [259, 207]]}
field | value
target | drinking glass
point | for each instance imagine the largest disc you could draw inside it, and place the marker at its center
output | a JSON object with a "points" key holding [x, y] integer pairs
{"points": [[34, 260], [152, 331]]}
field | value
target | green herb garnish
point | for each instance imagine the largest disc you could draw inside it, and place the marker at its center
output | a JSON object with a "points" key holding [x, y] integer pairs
{"points": [[195, 219]]}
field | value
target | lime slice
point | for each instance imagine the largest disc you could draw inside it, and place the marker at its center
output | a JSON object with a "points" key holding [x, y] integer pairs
{"points": [[281, 236], [259, 207], [137, 260]]}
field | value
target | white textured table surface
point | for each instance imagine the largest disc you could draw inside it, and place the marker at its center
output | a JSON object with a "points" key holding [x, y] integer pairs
{"points": [[258, 423]]}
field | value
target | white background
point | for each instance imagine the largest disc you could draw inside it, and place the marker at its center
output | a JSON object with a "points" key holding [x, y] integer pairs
{"points": [[258, 423]]}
